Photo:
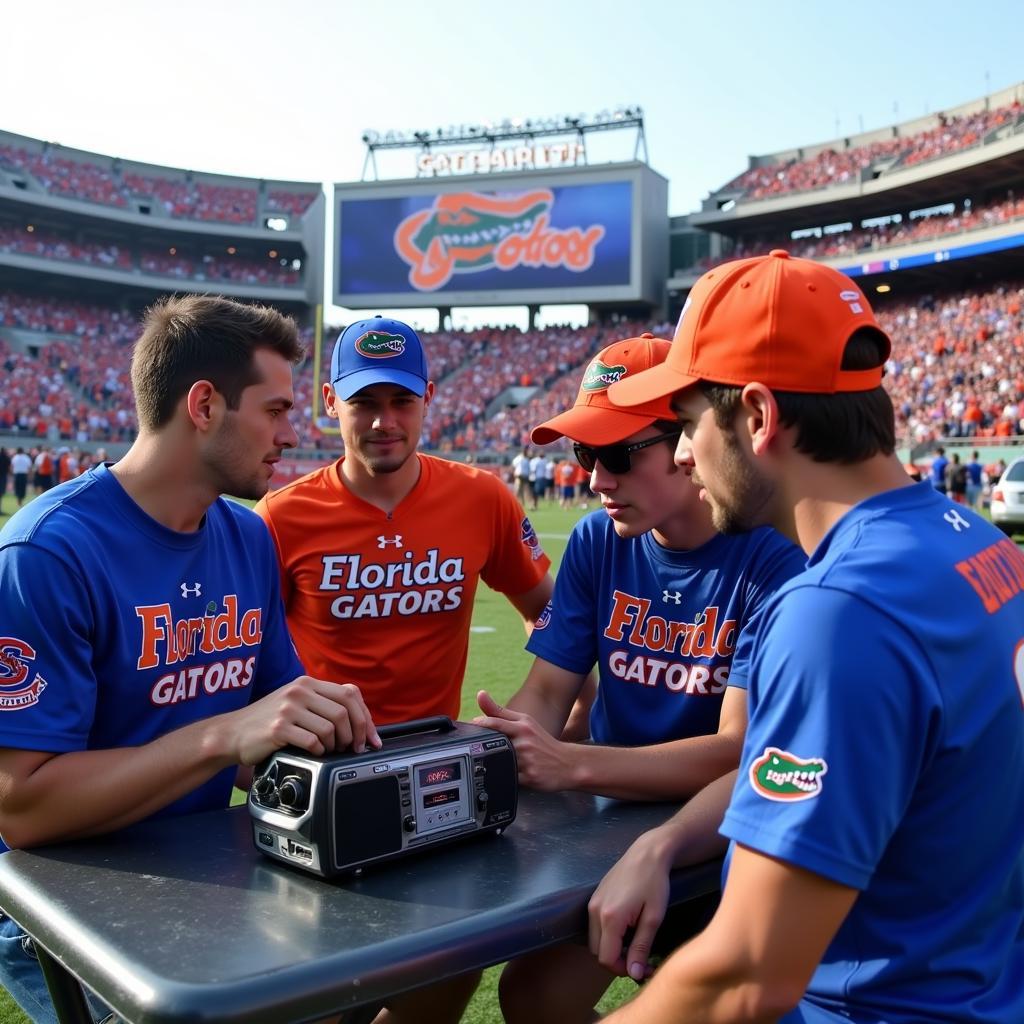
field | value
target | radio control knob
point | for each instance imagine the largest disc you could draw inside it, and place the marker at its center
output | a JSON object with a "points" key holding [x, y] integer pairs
{"points": [[292, 793], [263, 787], [409, 823], [481, 799]]}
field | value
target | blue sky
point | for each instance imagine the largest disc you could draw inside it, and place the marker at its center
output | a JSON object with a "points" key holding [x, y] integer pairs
{"points": [[273, 90]]}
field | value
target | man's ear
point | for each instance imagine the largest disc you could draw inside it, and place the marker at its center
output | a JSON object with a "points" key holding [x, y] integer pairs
{"points": [[205, 405], [330, 401], [759, 416], [428, 394]]}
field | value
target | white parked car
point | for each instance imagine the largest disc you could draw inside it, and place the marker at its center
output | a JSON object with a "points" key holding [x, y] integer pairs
{"points": [[1008, 499]]}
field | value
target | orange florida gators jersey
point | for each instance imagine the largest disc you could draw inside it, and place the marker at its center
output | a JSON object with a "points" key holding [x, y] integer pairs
{"points": [[385, 600]]}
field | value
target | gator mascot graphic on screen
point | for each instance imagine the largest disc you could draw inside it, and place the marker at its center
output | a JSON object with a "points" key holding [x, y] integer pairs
{"points": [[469, 231]]}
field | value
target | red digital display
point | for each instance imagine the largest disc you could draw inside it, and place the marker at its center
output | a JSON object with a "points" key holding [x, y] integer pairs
{"points": [[437, 774], [440, 796]]}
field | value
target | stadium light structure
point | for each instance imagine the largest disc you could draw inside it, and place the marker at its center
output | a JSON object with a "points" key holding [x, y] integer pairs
{"points": [[493, 133]]}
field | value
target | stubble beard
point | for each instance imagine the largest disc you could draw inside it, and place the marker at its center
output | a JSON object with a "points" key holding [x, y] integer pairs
{"points": [[750, 493]]}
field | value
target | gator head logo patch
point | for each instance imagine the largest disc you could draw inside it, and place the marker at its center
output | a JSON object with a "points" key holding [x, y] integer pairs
{"points": [[600, 376], [380, 345], [465, 232], [779, 775], [15, 656]]}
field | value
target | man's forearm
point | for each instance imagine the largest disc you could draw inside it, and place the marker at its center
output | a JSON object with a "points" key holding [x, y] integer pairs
{"points": [[88, 792], [664, 771], [696, 986]]}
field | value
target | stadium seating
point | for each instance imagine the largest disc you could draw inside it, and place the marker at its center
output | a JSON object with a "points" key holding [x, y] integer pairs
{"points": [[858, 241], [829, 167], [957, 370], [178, 196], [34, 242]]}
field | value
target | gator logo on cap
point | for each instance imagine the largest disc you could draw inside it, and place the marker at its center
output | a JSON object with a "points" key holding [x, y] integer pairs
{"points": [[380, 345], [464, 232], [600, 376], [779, 775]]}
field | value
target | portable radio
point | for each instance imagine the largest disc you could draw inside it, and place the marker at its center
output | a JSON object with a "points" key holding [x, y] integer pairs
{"points": [[434, 781]]}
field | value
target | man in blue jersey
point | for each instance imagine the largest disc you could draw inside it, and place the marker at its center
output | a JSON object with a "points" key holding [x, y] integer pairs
{"points": [[650, 593], [937, 470], [975, 481], [876, 870], [143, 650]]}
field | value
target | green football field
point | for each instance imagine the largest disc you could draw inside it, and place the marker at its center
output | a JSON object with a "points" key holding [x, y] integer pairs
{"points": [[497, 663]]}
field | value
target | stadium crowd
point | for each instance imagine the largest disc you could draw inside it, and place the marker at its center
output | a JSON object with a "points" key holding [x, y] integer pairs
{"points": [[497, 359], [831, 167], [179, 197], [31, 241], [957, 370], [904, 231]]}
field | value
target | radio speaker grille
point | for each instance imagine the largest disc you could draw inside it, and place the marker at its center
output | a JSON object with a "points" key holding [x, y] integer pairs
{"points": [[373, 816]]}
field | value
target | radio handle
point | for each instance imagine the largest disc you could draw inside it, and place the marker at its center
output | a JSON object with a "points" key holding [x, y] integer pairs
{"points": [[438, 723]]}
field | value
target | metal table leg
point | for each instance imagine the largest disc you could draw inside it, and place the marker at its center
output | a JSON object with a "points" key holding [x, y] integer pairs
{"points": [[65, 991]]}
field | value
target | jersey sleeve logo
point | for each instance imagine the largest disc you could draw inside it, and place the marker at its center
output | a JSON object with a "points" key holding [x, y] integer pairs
{"points": [[529, 536], [15, 655], [544, 618], [780, 775]]}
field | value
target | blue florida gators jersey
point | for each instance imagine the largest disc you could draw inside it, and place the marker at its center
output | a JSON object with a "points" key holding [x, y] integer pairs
{"points": [[665, 628], [885, 751], [115, 630]]}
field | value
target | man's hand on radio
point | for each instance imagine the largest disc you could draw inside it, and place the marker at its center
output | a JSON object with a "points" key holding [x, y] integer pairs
{"points": [[315, 715], [545, 763]]}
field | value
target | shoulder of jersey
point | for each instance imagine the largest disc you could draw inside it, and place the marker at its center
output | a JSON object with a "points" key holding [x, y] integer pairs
{"points": [[460, 470], [47, 514]]}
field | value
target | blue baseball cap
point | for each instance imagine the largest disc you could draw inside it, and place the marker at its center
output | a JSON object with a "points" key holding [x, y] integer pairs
{"points": [[378, 351]]}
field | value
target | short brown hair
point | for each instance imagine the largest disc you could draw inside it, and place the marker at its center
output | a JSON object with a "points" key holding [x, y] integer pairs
{"points": [[847, 427], [186, 338]]}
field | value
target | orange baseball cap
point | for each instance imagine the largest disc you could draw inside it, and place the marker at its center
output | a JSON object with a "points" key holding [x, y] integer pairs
{"points": [[593, 419], [776, 319]]}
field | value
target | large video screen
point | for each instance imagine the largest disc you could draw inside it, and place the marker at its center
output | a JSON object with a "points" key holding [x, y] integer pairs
{"points": [[568, 236]]}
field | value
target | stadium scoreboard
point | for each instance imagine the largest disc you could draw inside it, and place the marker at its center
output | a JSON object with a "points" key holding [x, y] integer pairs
{"points": [[563, 235]]}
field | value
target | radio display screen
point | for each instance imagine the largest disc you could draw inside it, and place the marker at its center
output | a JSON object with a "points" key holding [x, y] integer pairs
{"points": [[436, 774], [440, 796]]}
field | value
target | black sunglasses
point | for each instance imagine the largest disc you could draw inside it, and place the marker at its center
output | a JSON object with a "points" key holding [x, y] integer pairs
{"points": [[615, 457]]}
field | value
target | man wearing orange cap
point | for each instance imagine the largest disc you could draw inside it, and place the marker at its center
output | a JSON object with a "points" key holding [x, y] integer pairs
{"points": [[877, 866], [652, 595]]}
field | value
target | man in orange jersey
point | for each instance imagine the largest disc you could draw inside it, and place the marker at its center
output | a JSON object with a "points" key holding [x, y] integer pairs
{"points": [[381, 552]]}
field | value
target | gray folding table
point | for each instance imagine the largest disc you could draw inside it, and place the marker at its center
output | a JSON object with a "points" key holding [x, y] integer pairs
{"points": [[184, 920]]}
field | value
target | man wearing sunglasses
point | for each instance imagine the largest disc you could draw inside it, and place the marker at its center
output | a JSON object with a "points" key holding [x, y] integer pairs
{"points": [[651, 594]]}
